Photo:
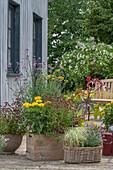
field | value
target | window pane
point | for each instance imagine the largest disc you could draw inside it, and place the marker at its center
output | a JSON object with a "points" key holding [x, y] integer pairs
{"points": [[9, 38], [33, 30], [9, 18], [9, 56]]}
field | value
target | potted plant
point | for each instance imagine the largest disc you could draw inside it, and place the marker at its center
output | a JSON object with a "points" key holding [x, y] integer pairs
{"points": [[47, 122], [83, 144], [12, 125], [87, 103], [107, 118]]}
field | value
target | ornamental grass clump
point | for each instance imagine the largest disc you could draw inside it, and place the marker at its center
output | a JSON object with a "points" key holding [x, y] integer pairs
{"points": [[52, 116], [87, 136], [75, 137], [107, 114]]}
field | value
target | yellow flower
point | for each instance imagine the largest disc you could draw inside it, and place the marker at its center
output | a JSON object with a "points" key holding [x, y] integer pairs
{"points": [[102, 113], [38, 101], [53, 78], [60, 77], [38, 98], [41, 105], [103, 108], [111, 102], [43, 76], [34, 104], [48, 102], [93, 123], [108, 104], [109, 113], [65, 80], [98, 126], [49, 76], [27, 105]]}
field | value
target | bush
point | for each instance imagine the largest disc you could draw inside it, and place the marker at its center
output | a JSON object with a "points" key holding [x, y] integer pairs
{"points": [[88, 58]]}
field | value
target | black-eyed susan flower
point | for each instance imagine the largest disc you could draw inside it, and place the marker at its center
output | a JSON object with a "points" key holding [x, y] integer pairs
{"points": [[38, 98]]}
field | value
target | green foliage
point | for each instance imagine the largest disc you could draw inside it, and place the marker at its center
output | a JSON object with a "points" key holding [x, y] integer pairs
{"points": [[88, 58], [93, 136], [64, 26], [99, 20], [12, 119], [51, 117], [87, 136], [107, 113]]}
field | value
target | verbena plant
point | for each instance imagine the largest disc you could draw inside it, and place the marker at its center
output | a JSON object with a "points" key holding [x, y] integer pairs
{"points": [[33, 81]]}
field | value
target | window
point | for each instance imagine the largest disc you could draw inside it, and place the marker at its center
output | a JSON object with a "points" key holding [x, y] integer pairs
{"points": [[13, 37], [37, 37]]}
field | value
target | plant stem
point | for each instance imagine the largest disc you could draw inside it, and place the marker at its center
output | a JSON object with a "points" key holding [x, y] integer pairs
{"points": [[88, 112]]}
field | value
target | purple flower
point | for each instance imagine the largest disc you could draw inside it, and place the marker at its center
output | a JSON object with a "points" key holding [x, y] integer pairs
{"points": [[60, 67], [17, 63], [67, 74], [16, 78], [10, 64]]}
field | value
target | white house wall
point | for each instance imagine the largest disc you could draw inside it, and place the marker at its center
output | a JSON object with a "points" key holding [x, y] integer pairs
{"points": [[27, 7]]}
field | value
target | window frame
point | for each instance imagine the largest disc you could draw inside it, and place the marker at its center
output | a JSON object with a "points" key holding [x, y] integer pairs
{"points": [[37, 37], [14, 41]]}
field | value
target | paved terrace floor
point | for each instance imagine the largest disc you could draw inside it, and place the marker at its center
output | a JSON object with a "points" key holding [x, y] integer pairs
{"points": [[20, 162]]}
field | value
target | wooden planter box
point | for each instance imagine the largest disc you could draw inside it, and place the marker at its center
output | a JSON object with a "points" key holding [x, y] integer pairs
{"points": [[44, 148]]}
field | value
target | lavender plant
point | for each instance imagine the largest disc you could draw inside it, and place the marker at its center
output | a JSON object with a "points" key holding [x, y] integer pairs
{"points": [[93, 135]]}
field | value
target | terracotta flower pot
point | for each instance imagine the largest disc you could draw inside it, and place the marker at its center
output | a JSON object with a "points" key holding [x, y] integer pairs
{"points": [[13, 143]]}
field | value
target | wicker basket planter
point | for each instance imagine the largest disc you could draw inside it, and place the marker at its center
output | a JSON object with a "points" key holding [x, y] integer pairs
{"points": [[43, 148], [82, 154]]}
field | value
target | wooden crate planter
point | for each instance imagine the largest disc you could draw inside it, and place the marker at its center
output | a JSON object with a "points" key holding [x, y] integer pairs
{"points": [[43, 148], [82, 154]]}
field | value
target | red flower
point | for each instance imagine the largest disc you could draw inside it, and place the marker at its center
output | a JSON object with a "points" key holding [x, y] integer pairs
{"points": [[88, 78]]}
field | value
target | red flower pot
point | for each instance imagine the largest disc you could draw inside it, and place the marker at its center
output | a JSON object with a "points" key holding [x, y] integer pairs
{"points": [[107, 144]]}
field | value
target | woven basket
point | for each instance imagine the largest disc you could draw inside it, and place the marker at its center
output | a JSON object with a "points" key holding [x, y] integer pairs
{"points": [[82, 154]]}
